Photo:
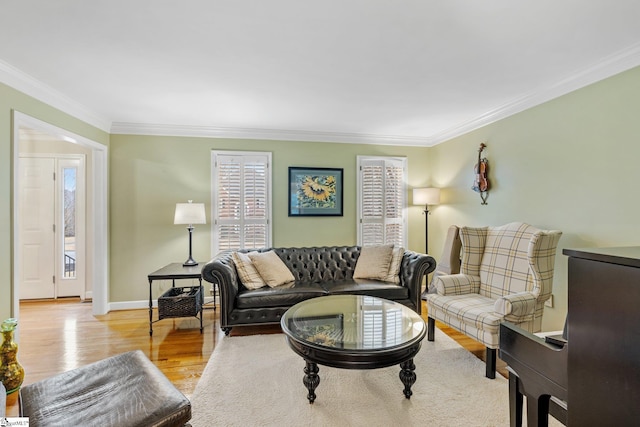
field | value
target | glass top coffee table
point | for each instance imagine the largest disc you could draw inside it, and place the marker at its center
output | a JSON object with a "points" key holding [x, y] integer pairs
{"points": [[353, 332]]}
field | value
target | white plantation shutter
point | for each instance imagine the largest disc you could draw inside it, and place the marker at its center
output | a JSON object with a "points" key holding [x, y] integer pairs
{"points": [[241, 200], [382, 201], [380, 326]]}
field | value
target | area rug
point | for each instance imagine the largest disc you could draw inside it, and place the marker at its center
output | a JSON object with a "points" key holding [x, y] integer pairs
{"points": [[257, 381]]}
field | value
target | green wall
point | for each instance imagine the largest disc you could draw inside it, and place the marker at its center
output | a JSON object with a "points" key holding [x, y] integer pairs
{"points": [[570, 164], [11, 100], [150, 174]]}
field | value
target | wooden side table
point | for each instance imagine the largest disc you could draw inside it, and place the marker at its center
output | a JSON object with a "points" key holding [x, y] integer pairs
{"points": [[174, 271]]}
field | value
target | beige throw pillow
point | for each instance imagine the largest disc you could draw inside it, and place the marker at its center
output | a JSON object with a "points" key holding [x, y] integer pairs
{"points": [[393, 275], [271, 268], [373, 262], [248, 274]]}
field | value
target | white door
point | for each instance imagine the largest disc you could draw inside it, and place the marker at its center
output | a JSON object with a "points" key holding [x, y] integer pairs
{"points": [[37, 219], [52, 227]]}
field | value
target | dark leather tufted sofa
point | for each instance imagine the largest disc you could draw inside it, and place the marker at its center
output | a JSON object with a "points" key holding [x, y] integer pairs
{"points": [[318, 271]]}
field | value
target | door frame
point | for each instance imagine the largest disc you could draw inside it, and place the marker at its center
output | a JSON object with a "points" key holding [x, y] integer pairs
{"points": [[99, 248]]}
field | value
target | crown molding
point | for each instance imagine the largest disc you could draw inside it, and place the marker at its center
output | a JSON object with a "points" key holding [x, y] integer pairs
{"points": [[265, 134], [611, 65], [618, 62], [23, 82]]}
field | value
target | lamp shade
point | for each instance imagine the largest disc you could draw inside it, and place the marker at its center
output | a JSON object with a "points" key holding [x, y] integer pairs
{"points": [[190, 213], [426, 196]]}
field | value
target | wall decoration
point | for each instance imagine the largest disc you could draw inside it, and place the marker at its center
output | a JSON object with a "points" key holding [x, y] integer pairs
{"points": [[315, 191], [481, 182], [324, 330]]}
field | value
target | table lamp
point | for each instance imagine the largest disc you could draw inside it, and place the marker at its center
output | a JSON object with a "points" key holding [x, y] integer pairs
{"points": [[190, 213]]}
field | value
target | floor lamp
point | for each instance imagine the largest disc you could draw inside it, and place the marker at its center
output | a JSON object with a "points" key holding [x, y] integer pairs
{"points": [[190, 213], [425, 197]]}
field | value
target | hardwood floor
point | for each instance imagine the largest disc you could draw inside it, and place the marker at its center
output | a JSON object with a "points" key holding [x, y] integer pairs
{"points": [[56, 336]]}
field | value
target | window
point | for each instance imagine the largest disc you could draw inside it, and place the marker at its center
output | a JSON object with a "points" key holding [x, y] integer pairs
{"points": [[69, 221], [382, 217], [241, 199]]}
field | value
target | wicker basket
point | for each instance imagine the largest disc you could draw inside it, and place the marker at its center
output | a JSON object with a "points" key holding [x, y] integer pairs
{"points": [[180, 302]]}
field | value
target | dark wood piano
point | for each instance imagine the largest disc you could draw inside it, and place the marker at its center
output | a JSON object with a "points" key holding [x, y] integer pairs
{"points": [[537, 369], [596, 375]]}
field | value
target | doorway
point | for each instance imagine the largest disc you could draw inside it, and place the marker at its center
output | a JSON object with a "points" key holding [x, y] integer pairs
{"points": [[96, 255], [52, 228]]}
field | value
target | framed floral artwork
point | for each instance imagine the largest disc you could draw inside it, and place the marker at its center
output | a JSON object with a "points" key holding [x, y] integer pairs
{"points": [[315, 191]]}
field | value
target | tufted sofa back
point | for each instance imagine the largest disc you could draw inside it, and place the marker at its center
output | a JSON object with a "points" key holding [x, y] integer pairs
{"points": [[319, 264]]}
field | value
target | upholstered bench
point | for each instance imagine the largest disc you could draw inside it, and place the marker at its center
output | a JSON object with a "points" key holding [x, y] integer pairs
{"points": [[123, 390]]}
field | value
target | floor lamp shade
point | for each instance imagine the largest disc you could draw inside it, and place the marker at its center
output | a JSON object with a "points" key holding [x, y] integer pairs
{"points": [[190, 213], [426, 196]]}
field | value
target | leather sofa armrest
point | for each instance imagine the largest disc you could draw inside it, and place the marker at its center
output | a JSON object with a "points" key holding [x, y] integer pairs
{"points": [[413, 270], [457, 284], [518, 307], [222, 271]]}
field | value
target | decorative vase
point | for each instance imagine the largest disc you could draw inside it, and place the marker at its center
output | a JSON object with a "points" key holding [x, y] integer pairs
{"points": [[11, 372]]}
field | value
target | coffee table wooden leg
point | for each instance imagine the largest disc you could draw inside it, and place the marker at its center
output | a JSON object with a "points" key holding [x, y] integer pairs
{"points": [[311, 379], [408, 376]]}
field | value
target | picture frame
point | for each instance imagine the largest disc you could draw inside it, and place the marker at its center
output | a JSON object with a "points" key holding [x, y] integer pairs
{"points": [[326, 330], [315, 191]]}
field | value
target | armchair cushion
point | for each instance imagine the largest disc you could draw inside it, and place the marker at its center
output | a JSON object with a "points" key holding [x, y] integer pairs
{"points": [[473, 310], [457, 284], [504, 268]]}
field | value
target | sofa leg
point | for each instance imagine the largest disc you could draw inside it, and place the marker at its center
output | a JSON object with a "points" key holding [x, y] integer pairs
{"points": [[226, 330], [431, 326], [491, 363]]}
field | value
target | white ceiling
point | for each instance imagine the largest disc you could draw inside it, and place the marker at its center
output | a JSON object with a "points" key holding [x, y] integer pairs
{"points": [[410, 72]]}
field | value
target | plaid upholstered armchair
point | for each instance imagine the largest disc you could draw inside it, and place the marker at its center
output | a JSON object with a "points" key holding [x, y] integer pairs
{"points": [[506, 274]]}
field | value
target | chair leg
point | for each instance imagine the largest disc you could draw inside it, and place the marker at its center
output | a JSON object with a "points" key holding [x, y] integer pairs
{"points": [[431, 326], [491, 363]]}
